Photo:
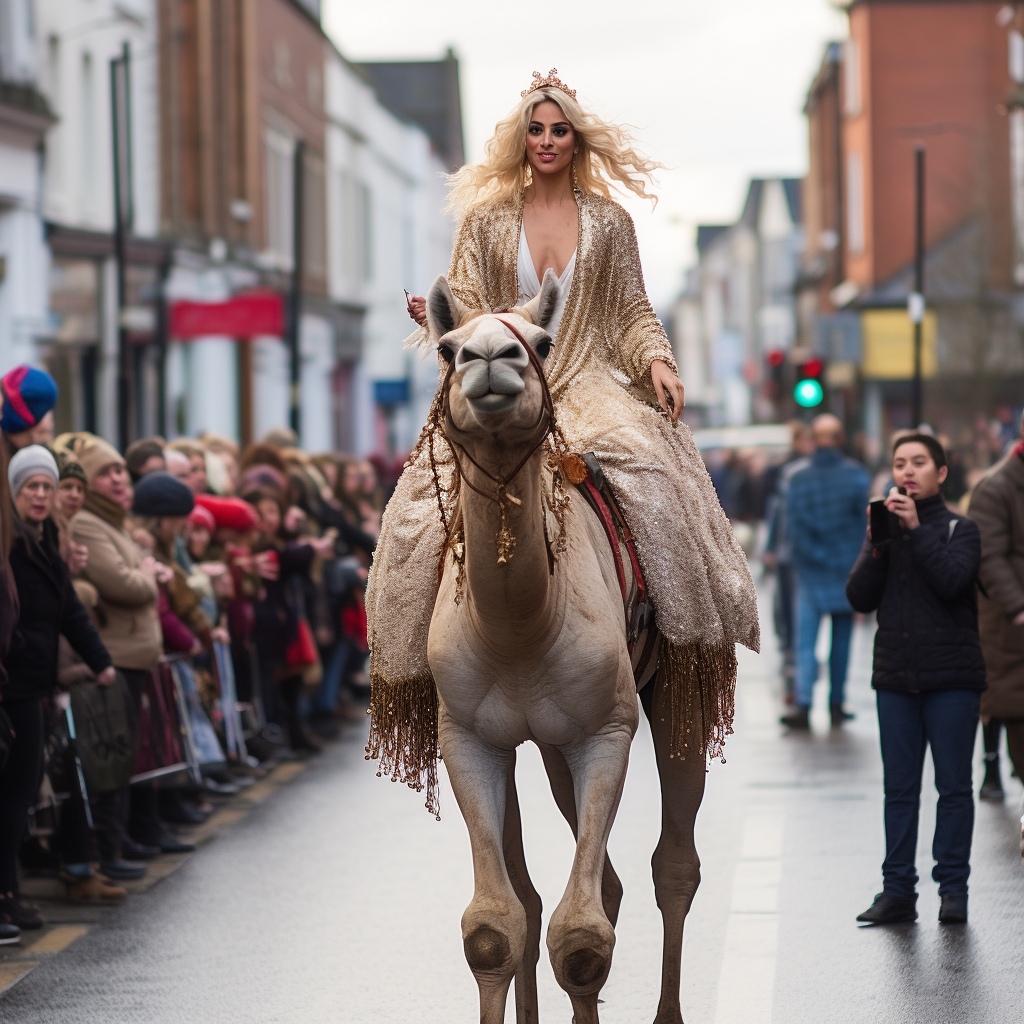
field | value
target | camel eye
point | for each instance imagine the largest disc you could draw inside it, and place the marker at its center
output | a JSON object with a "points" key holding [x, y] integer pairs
{"points": [[544, 348], [447, 350]]}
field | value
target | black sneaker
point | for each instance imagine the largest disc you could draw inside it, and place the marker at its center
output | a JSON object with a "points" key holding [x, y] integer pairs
{"points": [[9, 933], [123, 870], [134, 850], [953, 910], [16, 911], [890, 910], [799, 719]]}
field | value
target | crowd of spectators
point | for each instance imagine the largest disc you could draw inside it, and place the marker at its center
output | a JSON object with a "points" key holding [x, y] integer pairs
{"points": [[114, 564]]}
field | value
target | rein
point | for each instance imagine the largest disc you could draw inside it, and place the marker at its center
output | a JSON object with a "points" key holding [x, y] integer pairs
{"points": [[506, 542]]}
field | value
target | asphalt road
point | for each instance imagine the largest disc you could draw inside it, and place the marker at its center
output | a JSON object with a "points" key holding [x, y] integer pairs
{"points": [[338, 899]]}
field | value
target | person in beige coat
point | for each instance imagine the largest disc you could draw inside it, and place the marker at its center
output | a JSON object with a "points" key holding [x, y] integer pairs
{"points": [[125, 581], [126, 609], [997, 506]]}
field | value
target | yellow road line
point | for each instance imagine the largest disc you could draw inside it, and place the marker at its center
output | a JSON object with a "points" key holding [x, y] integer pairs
{"points": [[59, 938], [12, 973]]}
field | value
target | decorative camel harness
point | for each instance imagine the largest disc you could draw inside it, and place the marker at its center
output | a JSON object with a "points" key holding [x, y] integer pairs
{"points": [[582, 471]]}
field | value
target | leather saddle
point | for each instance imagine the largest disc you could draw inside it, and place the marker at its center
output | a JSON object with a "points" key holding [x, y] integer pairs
{"points": [[642, 635]]}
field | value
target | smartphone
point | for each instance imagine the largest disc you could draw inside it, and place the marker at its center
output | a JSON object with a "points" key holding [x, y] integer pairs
{"points": [[879, 519], [882, 520]]}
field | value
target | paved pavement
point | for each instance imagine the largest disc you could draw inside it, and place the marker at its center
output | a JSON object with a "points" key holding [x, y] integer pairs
{"points": [[337, 899]]}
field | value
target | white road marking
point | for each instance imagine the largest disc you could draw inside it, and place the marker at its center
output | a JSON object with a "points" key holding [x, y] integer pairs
{"points": [[747, 980]]}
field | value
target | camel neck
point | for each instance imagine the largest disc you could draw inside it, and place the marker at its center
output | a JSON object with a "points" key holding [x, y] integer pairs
{"points": [[517, 590]]}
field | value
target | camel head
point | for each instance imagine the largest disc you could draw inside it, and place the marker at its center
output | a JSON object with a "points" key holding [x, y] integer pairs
{"points": [[494, 386]]}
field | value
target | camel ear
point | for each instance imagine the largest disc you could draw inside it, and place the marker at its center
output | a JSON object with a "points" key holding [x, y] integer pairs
{"points": [[541, 308], [444, 311]]}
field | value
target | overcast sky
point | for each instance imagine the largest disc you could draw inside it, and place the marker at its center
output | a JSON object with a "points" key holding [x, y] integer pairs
{"points": [[712, 88]]}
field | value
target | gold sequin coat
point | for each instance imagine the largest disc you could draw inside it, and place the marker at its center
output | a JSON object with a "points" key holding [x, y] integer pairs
{"points": [[599, 377]]}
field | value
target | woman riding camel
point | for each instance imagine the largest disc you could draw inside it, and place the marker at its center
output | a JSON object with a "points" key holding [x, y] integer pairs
{"points": [[540, 200]]}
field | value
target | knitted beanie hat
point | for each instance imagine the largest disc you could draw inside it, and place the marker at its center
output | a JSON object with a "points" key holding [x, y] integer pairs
{"points": [[95, 454], [229, 513], [35, 460], [70, 468], [29, 394], [160, 494], [201, 517]]}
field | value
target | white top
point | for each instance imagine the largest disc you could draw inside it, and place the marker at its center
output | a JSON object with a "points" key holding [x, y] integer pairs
{"points": [[529, 283]]}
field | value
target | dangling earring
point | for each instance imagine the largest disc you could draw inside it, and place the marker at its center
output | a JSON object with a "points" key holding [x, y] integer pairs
{"points": [[575, 183]]}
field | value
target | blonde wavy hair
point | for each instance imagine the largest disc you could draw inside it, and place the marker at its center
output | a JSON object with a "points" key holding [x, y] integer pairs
{"points": [[606, 157]]}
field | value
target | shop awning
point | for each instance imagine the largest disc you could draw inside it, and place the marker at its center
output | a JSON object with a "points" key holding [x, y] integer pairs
{"points": [[242, 316]]}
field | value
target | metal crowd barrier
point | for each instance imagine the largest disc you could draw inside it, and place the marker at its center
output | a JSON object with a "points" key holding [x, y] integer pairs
{"points": [[175, 733]]}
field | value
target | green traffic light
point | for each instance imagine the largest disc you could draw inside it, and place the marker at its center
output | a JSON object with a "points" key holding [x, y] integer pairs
{"points": [[808, 393]]}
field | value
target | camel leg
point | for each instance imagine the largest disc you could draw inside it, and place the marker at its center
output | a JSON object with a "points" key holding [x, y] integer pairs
{"points": [[515, 864], [494, 923], [580, 936], [675, 864], [560, 779]]}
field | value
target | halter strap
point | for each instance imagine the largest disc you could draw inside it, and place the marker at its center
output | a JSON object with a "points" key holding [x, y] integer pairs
{"points": [[548, 410]]}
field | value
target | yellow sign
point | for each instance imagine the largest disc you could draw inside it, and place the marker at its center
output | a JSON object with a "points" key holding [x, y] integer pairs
{"points": [[887, 337]]}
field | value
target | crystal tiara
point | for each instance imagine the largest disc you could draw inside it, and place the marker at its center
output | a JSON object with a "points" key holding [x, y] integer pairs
{"points": [[551, 82]]}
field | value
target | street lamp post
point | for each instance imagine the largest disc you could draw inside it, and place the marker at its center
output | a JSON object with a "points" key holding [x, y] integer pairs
{"points": [[120, 109], [915, 301], [295, 305]]}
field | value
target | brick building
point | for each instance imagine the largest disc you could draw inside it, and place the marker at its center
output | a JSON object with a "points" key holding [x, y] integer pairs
{"points": [[937, 74]]}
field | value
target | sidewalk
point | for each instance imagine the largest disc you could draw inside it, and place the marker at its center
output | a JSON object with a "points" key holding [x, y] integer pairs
{"points": [[67, 922]]}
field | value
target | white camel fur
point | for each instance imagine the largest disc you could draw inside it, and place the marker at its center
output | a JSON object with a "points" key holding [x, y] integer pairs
{"points": [[530, 654]]}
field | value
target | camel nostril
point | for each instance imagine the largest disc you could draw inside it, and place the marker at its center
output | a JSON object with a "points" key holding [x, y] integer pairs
{"points": [[509, 351]]}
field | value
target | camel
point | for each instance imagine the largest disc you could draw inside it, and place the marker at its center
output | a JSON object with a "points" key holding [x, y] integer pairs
{"points": [[526, 646]]}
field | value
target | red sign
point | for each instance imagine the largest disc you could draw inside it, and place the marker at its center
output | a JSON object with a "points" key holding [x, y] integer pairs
{"points": [[242, 316]]}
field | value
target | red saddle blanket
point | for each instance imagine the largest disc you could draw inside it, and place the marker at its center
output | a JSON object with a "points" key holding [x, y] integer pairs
{"points": [[641, 632]]}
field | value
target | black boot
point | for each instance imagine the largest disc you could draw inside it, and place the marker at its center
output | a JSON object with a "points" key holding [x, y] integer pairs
{"points": [[839, 716], [992, 785], [953, 910], [890, 910], [799, 719]]}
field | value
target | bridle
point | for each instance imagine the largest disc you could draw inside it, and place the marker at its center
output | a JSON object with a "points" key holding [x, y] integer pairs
{"points": [[547, 413]]}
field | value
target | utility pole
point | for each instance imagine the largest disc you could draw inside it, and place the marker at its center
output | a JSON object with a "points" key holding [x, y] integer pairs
{"points": [[915, 301], [120, 110], [295, 304]]}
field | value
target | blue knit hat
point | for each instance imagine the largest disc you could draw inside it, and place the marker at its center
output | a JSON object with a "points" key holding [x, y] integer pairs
{"points": [[29, 394], [160, 494]]}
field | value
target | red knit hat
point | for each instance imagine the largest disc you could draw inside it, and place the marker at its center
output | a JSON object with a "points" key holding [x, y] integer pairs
{"points": [[229, 513], [202, 517]]}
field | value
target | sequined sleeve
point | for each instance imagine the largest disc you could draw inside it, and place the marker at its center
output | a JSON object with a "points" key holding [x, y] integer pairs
{"points": [[641, 338], [466, 272]]}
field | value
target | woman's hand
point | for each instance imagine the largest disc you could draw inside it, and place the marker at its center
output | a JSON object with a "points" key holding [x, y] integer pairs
{"points": [[668, 385], [106, 677], [78, 557], [904, 506], [417, 306]]}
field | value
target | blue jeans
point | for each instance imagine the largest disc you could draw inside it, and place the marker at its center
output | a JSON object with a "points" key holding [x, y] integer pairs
{"points": [[945, 720], [808, 619]]}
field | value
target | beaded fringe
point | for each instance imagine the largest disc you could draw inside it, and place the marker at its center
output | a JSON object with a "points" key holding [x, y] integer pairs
{"points": [[403, 734], [700, 685]]}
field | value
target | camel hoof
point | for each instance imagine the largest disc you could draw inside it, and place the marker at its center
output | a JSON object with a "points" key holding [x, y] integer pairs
{"points": [[486, 949]]}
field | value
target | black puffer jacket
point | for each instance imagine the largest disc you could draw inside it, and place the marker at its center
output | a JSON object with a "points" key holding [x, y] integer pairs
{"points": [[923, 585], [49, 607]]}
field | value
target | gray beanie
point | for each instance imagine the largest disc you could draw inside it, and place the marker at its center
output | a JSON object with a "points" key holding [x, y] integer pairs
{"points": [[29, 462]]}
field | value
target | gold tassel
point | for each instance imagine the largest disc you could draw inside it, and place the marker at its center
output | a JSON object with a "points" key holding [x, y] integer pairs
{"points": [[403, 734], [700, 682]]}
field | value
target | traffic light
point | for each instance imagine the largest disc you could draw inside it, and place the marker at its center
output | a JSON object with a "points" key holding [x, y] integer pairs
{"points": [[809, 392], [775, 358]]}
